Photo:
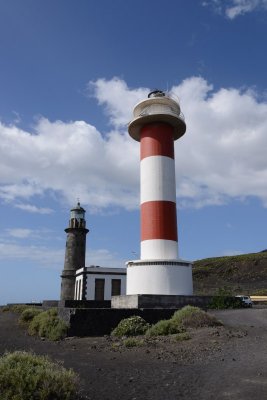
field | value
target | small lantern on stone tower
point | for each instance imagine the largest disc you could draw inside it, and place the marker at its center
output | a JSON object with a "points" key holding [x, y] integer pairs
{"points": [[77, 217]]}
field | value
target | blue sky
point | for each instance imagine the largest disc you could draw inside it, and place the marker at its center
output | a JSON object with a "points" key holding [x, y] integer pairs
{"points": [[70, 74]]}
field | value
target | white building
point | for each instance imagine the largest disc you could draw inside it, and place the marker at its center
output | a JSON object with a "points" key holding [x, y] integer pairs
{"points": [[97, 283]]}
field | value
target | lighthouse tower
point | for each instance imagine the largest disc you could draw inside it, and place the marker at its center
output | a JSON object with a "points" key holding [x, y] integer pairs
{"points": [[156, 124], [75, 251]]}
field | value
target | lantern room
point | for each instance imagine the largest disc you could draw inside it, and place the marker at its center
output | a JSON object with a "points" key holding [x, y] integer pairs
{"points": [[77, 217]]}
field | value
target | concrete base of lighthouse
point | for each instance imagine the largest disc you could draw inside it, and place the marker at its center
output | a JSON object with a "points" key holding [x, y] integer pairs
{"points": [[159, 277], [157, 284]]}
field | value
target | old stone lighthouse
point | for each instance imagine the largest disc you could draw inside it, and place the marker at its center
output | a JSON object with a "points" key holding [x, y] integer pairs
{"points": [[75, 251], [79, 282]]}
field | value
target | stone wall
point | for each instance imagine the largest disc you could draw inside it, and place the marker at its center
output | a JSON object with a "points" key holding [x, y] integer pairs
{"points": [[159, 301], [97, 322], [84, 304]]}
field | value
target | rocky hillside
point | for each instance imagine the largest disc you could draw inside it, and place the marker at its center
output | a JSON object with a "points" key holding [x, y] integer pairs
{"points": [[245, 273]]}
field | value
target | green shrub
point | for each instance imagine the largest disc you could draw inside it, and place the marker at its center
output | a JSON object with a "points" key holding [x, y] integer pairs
{"points": [[260, 292], [47, 324], [224, 302], [17, 308], [26, 376], [28, 314], [225, 291], [194, 317], [132, 326], [182, 336], [187, 317], [5, 309], [132, 342], [165, 327]]}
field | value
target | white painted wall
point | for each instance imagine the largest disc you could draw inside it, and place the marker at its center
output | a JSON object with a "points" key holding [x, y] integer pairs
{"points": [[159, 279], [108, 278], [157, 179], [159, 249], [94, 273], [78, 288]]}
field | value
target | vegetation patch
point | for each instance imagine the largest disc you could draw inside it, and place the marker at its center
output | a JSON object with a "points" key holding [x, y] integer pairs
{"points": [[215, 262], [182, 336], [48, 324], [194, 317], [260, 292], [244, 273], [42, 323], [223, 300], [132, 326], [17, 308], [28, 314], [133, 342], [187, 317], [26, 376], [165, 327]]}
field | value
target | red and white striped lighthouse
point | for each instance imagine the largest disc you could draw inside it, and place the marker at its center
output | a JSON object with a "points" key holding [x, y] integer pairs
{"points": [[157, 123]]}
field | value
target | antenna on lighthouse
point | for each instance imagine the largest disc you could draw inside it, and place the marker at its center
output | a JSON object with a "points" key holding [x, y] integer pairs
{"points": [[156, 93]]}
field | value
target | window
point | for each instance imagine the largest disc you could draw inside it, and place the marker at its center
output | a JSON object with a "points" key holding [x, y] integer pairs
{"points": [[79, 289], [99, 289], [115, 287], [76, 287]]}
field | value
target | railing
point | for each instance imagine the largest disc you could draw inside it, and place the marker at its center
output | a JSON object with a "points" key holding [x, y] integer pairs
{"points": [[169, 110]]}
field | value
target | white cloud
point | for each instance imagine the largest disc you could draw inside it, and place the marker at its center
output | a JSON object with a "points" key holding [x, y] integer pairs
{"points": [[41, 255], [18, 190], [25, 233], [103, 258], [20, 233], [73, 159], [34, 209], [117, 99], [46, 257], [222, 155], [234, 8], [240, 7]]}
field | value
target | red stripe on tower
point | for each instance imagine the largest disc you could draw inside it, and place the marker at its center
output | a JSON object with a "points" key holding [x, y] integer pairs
{"points": [[158, 220], [157, 140]]}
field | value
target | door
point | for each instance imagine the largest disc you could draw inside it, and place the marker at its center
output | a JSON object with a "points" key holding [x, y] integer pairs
{"points": [[99, 289], [115, 287]]}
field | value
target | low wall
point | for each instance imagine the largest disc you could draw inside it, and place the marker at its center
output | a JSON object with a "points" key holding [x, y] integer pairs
{"points": [[50, 303], [77, 303], [159, 301], [101, 321], [85, 304]]}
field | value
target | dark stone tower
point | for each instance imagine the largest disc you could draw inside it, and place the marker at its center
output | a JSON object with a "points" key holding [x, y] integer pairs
{"points": [[75, 251]]}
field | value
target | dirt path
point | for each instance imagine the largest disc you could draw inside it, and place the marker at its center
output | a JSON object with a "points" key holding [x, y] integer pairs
{"points": [[221, 363]]}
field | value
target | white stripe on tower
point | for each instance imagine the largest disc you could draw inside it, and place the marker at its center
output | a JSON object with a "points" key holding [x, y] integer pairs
{"points": [[157, 179], [159, 239]]}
